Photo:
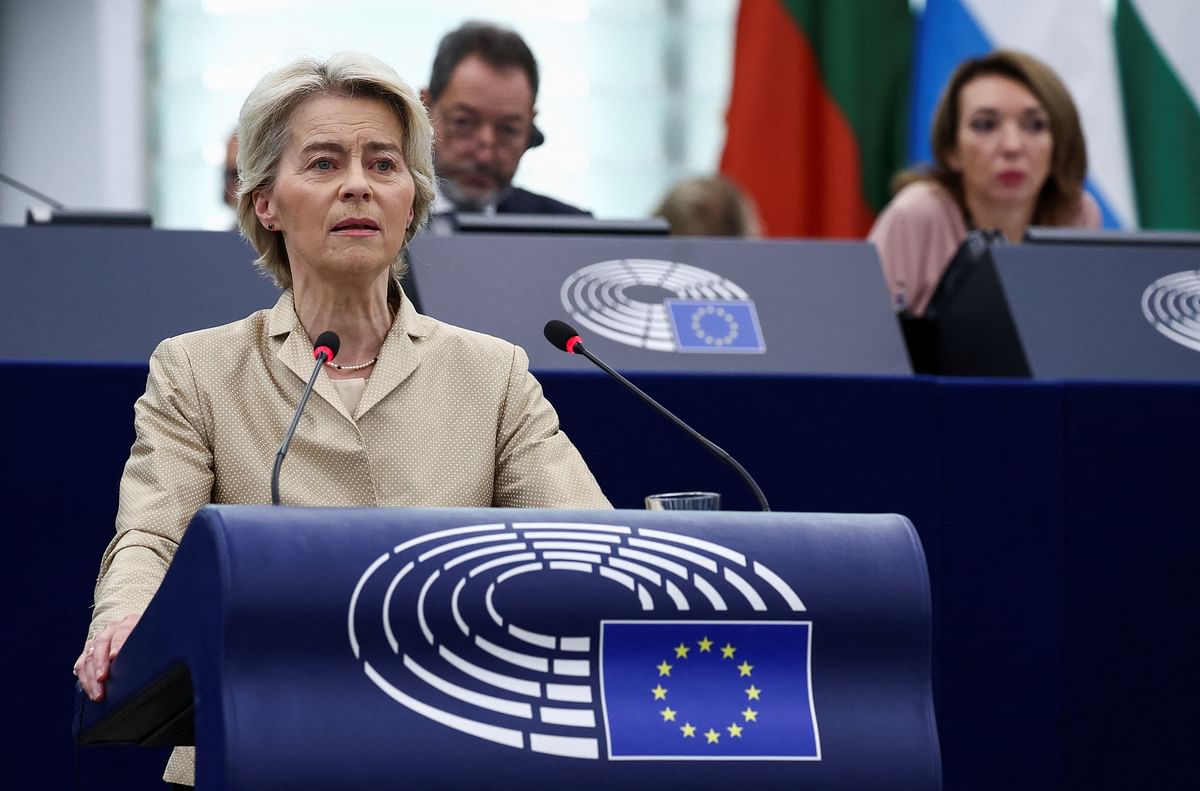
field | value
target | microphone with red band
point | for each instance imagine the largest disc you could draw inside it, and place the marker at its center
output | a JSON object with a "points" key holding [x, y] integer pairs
{"points": [[564, 337], [324, 350], [327, 344]]}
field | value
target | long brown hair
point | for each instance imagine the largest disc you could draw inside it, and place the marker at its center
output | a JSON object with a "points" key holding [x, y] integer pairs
{"points": [[1059, 200]]}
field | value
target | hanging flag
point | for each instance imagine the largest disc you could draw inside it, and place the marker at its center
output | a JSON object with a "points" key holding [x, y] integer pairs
{"points": [[1160, 77], [1074, 39], [816, 119]]}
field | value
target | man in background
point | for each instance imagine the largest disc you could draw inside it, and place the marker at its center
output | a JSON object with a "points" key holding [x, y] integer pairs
{"points": [[481, 98]]}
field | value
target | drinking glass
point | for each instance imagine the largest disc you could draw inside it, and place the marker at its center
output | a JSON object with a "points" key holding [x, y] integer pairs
{"points": [[684, 501]]}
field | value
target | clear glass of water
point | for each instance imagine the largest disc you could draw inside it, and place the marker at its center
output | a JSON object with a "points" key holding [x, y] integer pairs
{"points": [[684, 501]]}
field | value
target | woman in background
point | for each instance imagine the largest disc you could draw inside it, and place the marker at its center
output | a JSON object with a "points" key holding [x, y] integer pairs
{"points": [[1008, 152]]}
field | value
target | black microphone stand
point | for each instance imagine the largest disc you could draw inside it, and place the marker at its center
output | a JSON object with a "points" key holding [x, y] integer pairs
{"points": [[322, 358], [578, 348]]}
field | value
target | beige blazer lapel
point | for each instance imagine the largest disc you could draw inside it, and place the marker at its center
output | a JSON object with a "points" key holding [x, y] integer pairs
{"points": [[398, 357], [295, 350]]}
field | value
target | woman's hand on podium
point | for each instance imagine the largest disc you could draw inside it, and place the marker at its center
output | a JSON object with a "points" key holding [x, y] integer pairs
{"points": [[91, 668]]}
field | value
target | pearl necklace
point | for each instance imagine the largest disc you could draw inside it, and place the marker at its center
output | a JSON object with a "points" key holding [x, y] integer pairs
{"points": [[358, 367]]}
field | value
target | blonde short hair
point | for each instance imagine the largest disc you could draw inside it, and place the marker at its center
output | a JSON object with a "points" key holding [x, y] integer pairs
{"points": [[263, 133]]}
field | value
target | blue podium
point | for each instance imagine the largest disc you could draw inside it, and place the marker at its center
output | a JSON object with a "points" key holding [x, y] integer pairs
{"points": [[516, 649]]}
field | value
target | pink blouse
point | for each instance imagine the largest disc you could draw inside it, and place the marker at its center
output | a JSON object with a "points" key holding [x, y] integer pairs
{"points": [[918, 233]]}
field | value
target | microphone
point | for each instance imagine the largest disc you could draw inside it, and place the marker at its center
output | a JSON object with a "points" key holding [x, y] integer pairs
{"points": [[56, 214], [564, 337], [324, 350], [30, 191]]}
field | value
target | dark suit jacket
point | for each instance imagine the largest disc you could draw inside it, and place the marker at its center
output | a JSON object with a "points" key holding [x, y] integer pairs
{"points": [[520, 201]]}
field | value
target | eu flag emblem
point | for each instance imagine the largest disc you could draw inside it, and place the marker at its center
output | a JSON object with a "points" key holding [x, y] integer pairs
{"points": [[693, 690], [706, 325]]}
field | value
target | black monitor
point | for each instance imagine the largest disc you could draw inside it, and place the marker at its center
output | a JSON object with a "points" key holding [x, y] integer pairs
{"points": [[973, 333], [573, 224], [1078, 236], [120, 217]]}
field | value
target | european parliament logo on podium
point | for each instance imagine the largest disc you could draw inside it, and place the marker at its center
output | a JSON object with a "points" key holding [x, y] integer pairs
{"points": [[667, 646], [664, 306]]}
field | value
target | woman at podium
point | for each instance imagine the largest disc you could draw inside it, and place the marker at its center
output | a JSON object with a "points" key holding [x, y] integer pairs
{"points": [[1008, 153], [336, 177]]}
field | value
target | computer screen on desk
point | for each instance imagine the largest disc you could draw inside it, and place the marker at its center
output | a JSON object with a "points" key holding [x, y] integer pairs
{"points": [[1086, 236], [973, 332], [557, 224]]}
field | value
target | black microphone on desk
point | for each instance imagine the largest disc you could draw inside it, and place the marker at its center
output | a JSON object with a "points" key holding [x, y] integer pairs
{"points": [[30, 191], [563, 336], [324, 350], [57, 214]]}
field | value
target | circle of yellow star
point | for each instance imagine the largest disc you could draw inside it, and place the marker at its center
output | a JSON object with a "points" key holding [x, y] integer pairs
{"points": [[731, 327], [688, 730]]}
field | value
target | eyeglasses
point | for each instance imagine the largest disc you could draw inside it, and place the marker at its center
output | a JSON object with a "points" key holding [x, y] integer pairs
{"points": [[468, 128]]}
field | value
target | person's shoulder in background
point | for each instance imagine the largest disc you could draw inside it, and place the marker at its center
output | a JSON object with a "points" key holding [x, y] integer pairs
{"points": [[922, 215], [519, 201], [923, 200], [916, 235], [1089, 213]]}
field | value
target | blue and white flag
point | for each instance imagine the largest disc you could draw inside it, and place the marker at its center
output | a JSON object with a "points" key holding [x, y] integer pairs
{"points": [[1075, 39], [716, 691], [708, 325]]}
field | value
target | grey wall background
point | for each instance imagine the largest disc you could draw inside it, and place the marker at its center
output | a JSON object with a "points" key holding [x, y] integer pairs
{"points": [[70, 125], [128, 103]]}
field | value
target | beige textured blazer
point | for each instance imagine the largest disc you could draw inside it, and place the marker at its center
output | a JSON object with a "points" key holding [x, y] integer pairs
{"points": [[449, 417]]}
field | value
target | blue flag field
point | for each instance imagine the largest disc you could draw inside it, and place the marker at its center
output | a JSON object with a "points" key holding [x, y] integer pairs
{"points": [[692, 690]]}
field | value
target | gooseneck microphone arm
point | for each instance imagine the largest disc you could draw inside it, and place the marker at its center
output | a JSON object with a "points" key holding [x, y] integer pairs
{"points": [[30, 191], [565, 338], [324, 350]]}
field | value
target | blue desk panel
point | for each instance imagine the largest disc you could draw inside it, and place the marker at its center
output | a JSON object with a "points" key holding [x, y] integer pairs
{"points": [[1059, 522]]}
